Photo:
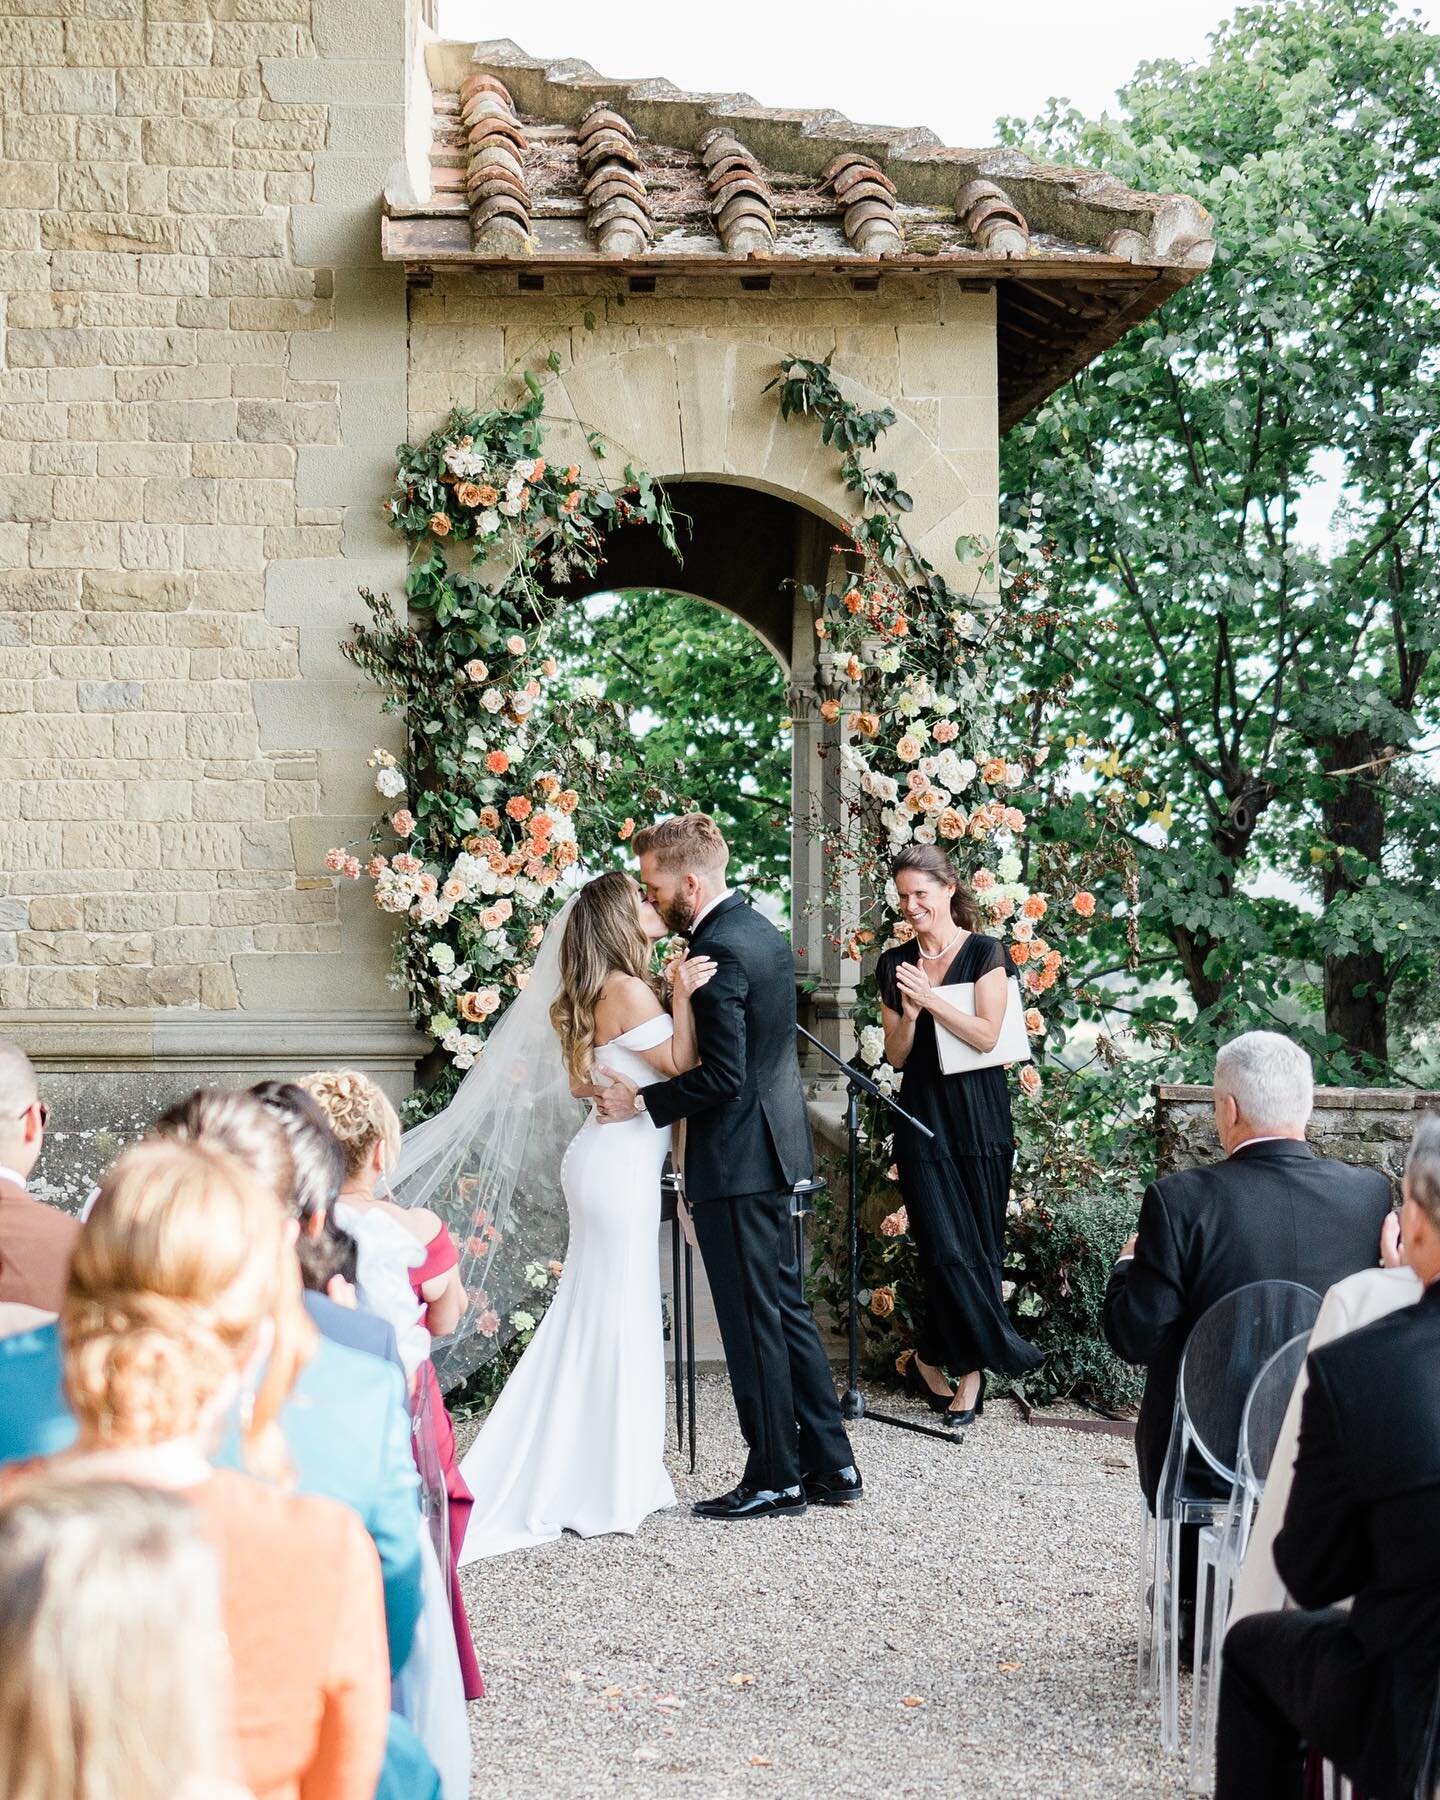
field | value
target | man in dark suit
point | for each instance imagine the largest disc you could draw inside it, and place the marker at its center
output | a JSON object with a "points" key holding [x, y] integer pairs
{"points": [[1272, 1211], [747, 1144], [1363, 1520], [35, 1240]]}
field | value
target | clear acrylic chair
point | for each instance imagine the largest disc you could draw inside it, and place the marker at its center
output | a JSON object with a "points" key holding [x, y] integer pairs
{"points": [[1226, 1350], [1223, 1546]]}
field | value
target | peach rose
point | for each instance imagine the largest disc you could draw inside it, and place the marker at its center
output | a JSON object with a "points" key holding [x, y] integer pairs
{"points": [[992, 770], [1023, 931], [334, 860], [488, 1322], [882, 1302], [477, 670], [427, 885], [490, 919], [951, 824], [522, 977], [865, 724], [549, 666], [497, 762], [627, 830], [1030, 1080], [903, 1360], [468, 1007], [946, 731], [490, 819], [536, 933], [556, 1268], [1014, 819], [830, 711], [1034, 1024], [439, 524], [503, 909], [895, 1224], [453, 891], [568, 801], [1019, 954], [488, 495], [518, 807], [1084, 904], [468, 494], [1035, 906], [908, 749], [488, 1000], [402, 821], [982, 879], [515, 645], [375, 867]]}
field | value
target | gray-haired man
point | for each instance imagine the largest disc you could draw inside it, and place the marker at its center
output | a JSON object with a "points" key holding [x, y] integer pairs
{"points": [[35, 1240]]}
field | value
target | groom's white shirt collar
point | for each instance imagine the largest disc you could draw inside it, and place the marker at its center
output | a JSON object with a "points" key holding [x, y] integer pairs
{"points": [[709, 907]]}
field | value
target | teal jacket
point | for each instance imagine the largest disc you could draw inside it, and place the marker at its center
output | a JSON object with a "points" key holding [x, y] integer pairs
{"points": [[34, 1414], [347, 1428]]}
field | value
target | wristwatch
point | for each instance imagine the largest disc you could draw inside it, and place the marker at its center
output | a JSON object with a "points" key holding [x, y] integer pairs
{"points": [[640, 1106]]}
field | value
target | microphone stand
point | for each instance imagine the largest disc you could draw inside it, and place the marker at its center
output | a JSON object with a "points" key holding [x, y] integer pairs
{"points": [[852, 1402]]}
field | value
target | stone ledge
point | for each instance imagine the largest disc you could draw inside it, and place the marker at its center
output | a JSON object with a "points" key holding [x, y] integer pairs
{"points": [[1341, 1099], [83, 1042]]}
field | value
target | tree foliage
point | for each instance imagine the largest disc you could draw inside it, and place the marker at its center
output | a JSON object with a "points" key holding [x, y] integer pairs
{"points": [[1246, 488], [707, 701]]}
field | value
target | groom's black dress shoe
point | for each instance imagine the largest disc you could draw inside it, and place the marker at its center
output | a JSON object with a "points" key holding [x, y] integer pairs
{"points": [[841, 1487], [745, 1502]]}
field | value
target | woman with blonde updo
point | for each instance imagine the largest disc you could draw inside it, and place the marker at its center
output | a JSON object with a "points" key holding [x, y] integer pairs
{"points": [[114, 1677], [408, 1248], [182, 1288]]}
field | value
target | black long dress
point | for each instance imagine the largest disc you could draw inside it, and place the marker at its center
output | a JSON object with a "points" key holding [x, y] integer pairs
{"points": [[956, 1186]]}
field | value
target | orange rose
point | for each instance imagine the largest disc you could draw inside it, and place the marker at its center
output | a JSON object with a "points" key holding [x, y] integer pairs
{"points": [[882, 1302], [830, 710], [1030, 1080], [1034, 1024], [490, 819], [627, 830], [468, 494], [568, 801], [468, 1007], [951, 824], [1084, 904], [402, 822], [497, 762], [895, 1224], [439, 523], [992, 771], [865, 724], [1035, 906], [518, 807], [1019, 954], [488, 496], [903, 1360]]}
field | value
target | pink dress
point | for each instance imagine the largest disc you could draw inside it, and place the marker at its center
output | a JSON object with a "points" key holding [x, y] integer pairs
{"points": [[440, 1256]]}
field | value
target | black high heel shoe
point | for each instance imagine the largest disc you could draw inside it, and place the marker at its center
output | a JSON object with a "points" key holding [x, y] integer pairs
{"points": [[959, 1420], [916, 1383]]}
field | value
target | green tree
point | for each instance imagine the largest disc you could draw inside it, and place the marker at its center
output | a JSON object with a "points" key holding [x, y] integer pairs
{"points": [[1247, 490], [709, 711]]}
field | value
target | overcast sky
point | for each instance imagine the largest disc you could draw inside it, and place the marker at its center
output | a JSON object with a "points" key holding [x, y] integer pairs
{"points": [[953, 65]]}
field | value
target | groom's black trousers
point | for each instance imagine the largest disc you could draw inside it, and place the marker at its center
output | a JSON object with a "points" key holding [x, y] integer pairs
{"points": [[784, 1391]]}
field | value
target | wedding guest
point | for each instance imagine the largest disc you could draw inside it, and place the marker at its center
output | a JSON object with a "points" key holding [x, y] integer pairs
{"points": [[35, 1419], [114, 1678], [1363, 1519], [319, 1169], [956, 1184], [1273, 1210], [183, 1285], [345, 1422], [368, 1129], [35, 1239]]}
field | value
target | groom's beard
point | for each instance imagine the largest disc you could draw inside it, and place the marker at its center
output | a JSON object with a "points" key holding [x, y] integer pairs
{"points": [[679, 913]]}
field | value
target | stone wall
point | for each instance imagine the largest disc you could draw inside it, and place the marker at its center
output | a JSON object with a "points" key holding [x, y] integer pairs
{"points": [[201, 381], [1370, 1126]]}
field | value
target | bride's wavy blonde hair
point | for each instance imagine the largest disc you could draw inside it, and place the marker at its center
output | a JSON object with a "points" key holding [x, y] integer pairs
{"points": [[602, 938]]}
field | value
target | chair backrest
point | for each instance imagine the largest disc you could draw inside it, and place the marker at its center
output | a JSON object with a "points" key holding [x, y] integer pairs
{"points": [[1225, 1352], [1266, 1406]]}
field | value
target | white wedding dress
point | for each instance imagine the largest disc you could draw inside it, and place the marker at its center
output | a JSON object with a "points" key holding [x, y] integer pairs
{"points": [[576, 1440]]}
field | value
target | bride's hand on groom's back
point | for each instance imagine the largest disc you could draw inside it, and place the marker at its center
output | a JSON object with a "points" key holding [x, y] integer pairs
{"points": [[692, 972]]}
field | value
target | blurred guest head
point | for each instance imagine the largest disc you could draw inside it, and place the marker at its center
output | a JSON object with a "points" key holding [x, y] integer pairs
{"points": [[1420, 1206], [1264, 1087], [182, 1286], [362, 1118], [329, 1262], [22, 1112], [315, 1152], [233, 1121], [113, 1674]]}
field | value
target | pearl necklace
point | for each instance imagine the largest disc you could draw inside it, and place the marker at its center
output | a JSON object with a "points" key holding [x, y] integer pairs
{"points": [[944, 950]]}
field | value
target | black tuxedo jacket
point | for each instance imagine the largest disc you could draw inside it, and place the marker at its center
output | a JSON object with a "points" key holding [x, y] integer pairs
{"points": [[747, 1128], [1272, 1212], [1364, 1519]]}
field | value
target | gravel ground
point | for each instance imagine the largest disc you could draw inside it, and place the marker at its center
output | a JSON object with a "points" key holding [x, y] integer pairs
{"points": [[993, 1583]]}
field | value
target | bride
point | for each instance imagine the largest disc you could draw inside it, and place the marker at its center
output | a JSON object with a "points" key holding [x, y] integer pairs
{"points": [[575, 1441]]}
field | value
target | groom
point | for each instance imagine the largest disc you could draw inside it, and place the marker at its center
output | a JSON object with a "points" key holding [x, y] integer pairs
{"points": [[747, 1144]]}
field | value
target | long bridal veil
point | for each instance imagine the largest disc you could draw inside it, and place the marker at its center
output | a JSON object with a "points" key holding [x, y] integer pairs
{"points": [[489, 1164]]}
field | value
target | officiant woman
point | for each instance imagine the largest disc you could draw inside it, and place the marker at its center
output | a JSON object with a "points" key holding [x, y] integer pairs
{"points": [[956, 1185]]}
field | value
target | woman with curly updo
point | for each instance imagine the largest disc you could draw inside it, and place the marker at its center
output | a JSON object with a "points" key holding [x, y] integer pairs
{"points": [[410, 1245], [956, 1185], [183, 1302]]}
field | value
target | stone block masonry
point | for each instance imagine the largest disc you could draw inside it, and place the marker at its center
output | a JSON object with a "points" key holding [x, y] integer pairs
{"points": [[190, 313]]}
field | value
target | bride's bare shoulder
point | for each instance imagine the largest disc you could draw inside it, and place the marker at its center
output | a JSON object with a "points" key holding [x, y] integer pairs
{"points": [[625, 1002]]}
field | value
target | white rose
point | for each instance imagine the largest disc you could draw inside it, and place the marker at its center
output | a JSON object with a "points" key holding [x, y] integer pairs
{"points": [[492, 700], [488, 523], [452, 1039], [511, 507], [907, 705], [872, 1045], [522, 1320], [888, 662], [390, 782], [944, 705], [1014, 774], [924, 834], [442, 956], [892, 895], [464, 1057], [965, 775], [1008, 867], [588, 688], [584, 749]]}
